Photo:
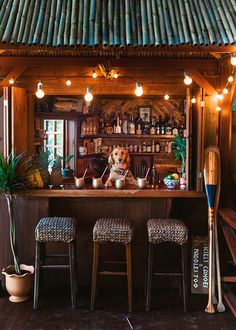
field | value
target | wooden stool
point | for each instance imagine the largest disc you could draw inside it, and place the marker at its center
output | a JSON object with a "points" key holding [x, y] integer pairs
{"points": [[113, 230], [61, 230], [172, 231]]}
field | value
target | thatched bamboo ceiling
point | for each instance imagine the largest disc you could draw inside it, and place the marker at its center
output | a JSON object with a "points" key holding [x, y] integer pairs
{"points": [[49, 24]]}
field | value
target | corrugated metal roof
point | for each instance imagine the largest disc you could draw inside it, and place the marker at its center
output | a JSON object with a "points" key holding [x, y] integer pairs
{"points": [[121, 23]]}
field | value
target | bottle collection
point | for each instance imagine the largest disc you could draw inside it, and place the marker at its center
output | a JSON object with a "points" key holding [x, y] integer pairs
{"points": [[127, 124], [144, 147]]}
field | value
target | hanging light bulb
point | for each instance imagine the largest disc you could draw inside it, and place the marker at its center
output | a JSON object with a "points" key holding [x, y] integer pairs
{"points": [[166, 97], [218, 108], [233, 59], [68, 82], [225, 90], [11, 81], [94, 75], [88, 96], [40, 92], [220, 96], [187, 80], [116, 75], [193, 100], [230, 79], [138, 90]]}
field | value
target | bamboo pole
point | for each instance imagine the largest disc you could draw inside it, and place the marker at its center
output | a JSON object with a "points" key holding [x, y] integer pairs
{"points": [[184, 21], [23, 24], [233, 4], [97, 23], [5, 17], [219, 23], [213, 19], [61, 24], [150, 23], [45, 23], [56, 22], [122, 23], [179, 22], [133, 23], [156, 23], [50, 25], [26, 27], [85, 23], [110, 22], [104, 23], [208, 23], [202, 22], [91, 22], [229, 19], [193, 33], [161, 22], [10, 21], [67, 23], [34, 21], [39, 24], [17, 22], [197, 23], [116, 24], [144, 23], [80, 23], [128, 23], [173, 23], [138, 23], [168, 24], [3, 9], [73, 24]]}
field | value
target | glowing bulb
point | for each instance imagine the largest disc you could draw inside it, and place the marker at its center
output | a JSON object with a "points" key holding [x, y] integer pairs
{"points": [[40, 92], [138, 90], [193, 100], [233, 60], [219, 96], [68, 82], [230, 79], [218, 108], [116, 75], [166, 97], [94, 75], [187, 80], [225, 91], [88, 96], [11, 81]]}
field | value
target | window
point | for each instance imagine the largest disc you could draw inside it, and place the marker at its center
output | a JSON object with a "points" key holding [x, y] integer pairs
{"points": [[54, 141]]}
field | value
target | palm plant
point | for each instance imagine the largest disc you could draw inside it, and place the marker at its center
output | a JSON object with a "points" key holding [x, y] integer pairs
{"points": [[179, 145], [13, 177]]}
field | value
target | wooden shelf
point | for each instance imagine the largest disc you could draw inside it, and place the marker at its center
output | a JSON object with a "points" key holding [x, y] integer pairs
{"points": [[90, 155], [128, 136]]}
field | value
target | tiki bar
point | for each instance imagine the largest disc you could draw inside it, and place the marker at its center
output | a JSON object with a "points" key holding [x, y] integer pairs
{"points": [[117, 164]]}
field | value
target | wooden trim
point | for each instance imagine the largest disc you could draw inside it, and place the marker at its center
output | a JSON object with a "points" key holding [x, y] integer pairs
{"points": [[15, 73], [202, 82], [229, 216]]}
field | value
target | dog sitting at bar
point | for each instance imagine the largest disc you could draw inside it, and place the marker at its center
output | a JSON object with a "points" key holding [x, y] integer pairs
{"points": [[119, 162]]}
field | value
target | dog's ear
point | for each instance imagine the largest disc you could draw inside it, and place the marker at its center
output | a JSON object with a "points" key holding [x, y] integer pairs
{"points": [[127, 158], [111, 161]]}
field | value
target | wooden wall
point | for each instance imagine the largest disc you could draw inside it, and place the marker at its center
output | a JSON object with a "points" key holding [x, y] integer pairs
{"points": [[1, 124]]}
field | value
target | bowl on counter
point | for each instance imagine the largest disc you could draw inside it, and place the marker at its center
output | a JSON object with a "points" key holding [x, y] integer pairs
{"points": [[120, 183], [142, 183], [97, 183], [171, 183]]}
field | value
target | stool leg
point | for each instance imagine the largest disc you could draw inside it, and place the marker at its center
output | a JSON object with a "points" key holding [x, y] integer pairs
{"points": [[94, 273], [129, 274], [149, 277], [72, 273], [36, 273], [184, 272]]}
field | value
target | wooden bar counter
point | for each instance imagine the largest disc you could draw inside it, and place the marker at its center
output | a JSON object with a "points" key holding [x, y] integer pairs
{"points": [[87, 205]]}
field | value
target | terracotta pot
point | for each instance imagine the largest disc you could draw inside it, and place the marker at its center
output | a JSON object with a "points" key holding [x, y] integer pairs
{"points": [[19, 286]]}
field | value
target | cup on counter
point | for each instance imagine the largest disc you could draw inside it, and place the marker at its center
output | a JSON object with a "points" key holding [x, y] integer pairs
{"points": [[79, 183], [97, 183], [142, 183], [120, 183]]}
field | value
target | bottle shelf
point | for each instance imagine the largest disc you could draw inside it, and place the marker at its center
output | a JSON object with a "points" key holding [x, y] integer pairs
{"points": [[128, 136]]}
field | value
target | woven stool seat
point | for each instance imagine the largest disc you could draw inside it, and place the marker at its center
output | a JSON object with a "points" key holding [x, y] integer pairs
{"points": [[116, 230], [167, 230], [56, 229]]}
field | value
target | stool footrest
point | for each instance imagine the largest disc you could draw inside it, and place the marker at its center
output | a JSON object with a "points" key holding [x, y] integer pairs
{"points": [[55, 266], [112, 273], [114, 262], [168, 274], [56, 255]]}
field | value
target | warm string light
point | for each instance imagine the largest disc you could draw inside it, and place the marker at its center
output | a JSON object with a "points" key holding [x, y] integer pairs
{"points": [[218, 108], [193, 100], [94, 75], [88, 96], [225, 91], [11, 81], [219, 96], [39, 93], [116, 75], [230, 79], [187, 79], [68, 82], [138, 90], [166, 97], [233, 59]]}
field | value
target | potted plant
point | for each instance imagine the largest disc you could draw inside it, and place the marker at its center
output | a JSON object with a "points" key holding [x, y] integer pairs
{"points": [[13, 177], [179, 145], [44, 160], [67, 171], [56, 175]]}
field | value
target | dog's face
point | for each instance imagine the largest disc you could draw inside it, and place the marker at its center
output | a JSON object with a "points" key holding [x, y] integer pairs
{"points": [[119, 158]]}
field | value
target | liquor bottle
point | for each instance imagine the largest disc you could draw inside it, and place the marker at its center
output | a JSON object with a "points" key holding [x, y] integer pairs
{"points": [[175, 130], [158, 127], [101, 123], [149, 147], [163, 128], [138, 125], [146, 128], [153, 147], [168, 126], [117, 128], [83, 128], [166, 147], [169, 147], [144, 147], [157, 147], [125, 124], [153, 129], [131, 125], [153, 176]]}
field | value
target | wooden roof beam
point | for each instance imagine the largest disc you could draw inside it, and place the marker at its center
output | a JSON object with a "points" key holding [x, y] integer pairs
{"points": [[202, 82], [15, 74]]}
